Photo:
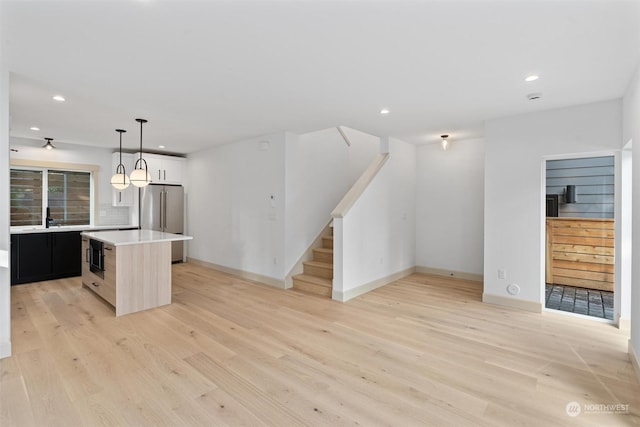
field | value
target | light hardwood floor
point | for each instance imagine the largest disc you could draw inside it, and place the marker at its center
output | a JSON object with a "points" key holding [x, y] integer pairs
{"points": [[421, 351]]}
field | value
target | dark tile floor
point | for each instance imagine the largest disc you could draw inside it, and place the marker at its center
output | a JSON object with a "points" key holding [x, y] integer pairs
{"points": [[580, 300]]}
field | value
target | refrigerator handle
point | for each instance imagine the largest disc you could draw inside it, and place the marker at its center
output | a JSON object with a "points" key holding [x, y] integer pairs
{"points": [[164, 213], [160, 210]]}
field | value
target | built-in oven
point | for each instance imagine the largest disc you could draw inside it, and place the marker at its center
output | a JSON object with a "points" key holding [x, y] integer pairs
{"points": [[96, 257]]}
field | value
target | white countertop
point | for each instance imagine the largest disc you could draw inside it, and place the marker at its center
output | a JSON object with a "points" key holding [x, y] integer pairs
{"points": [[60, 229], [134, 237]]}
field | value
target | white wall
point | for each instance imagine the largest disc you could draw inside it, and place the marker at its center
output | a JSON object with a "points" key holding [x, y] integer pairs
{"points": [[626, 217], [31, 149], [631, 132], [378, 232], [320, 168], [362, 151], [450, 207], [5, 275], [515, 149], [230, 212]]}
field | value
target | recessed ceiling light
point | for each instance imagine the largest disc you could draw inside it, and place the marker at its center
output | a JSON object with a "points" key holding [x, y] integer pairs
{"points": [[161, 146], [384, 111], [531, 78], [59, 98], [34, 128], [534, 96]]}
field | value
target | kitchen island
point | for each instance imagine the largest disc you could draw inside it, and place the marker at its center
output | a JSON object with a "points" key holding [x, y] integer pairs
{"points": [[131, 269]]}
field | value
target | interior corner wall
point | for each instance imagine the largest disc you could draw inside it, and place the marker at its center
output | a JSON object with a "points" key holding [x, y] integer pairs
{"points": [[631, 132], [450, 207], [320, 169], [5, 274], [235, 205], [378, 232], [515, 148]]}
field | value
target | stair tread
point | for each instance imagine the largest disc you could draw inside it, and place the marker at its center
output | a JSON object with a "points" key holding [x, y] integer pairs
{"points": [[319, 264], [328, 237], [325, 250], [311, 289], [313, 279]]}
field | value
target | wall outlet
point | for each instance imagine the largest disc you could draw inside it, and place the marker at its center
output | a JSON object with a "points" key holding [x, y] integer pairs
{"points": [[502, 273]]}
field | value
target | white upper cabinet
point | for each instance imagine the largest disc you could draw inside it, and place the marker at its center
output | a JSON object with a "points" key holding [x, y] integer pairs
{"points": [[165, 169], [122, 197]]}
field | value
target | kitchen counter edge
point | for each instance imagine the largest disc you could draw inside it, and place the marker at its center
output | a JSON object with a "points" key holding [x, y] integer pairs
{"points": [[63, 229], [134, 237]]}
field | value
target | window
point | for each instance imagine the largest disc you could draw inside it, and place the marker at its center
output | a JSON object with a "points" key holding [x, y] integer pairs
{"points": [[68, 197], [26, 197]]}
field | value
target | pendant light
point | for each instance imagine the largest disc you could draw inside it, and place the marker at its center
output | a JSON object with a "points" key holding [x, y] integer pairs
{"points": [[48, 145], [120, 180], [445, 143], [140, 177]]}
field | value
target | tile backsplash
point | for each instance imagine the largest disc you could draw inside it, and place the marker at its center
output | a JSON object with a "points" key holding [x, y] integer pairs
{"points": [[113, 215]]}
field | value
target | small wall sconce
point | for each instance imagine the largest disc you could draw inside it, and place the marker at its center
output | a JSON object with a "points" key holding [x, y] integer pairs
{"points": [[570, 194]]}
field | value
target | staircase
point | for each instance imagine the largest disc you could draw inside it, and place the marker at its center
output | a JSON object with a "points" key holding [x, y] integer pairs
{"points": [[317, 276]]}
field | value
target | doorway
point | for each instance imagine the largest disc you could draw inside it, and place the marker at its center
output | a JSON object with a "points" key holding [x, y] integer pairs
{"points": [[580, 236]]}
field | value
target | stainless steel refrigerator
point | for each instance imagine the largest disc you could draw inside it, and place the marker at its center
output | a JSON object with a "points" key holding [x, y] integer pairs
{"points": [[162, 209]]}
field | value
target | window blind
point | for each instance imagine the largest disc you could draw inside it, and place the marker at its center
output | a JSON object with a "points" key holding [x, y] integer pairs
{"points": [[69, 197], [26, 197]]}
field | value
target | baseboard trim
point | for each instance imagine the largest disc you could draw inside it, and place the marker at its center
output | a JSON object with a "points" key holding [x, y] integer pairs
{"points": [[368, 287], [624, 323], [520, 304], [635, 361], [267, 280], [5, 349], [450, 273]]}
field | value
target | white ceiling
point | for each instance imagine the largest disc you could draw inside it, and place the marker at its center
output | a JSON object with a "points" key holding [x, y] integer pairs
{"points": [[213, 72]]}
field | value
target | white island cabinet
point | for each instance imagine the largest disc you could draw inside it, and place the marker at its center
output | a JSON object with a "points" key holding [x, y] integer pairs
{"points": [[131, 269]]}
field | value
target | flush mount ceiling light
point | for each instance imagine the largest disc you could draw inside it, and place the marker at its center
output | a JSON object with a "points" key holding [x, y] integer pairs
{"points": [[34, 128], [120, 180], [531, 78], [444, 142], [59, 98], [384, 111], [140, 176], [48, 145]]}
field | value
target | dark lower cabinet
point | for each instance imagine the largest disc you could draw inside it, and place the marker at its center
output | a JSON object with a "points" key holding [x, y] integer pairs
{"points": [[66, 252], [45, 256]]}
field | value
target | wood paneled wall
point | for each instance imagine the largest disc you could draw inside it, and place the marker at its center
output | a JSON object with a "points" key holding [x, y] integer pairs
{"points": [[580, 252]]}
